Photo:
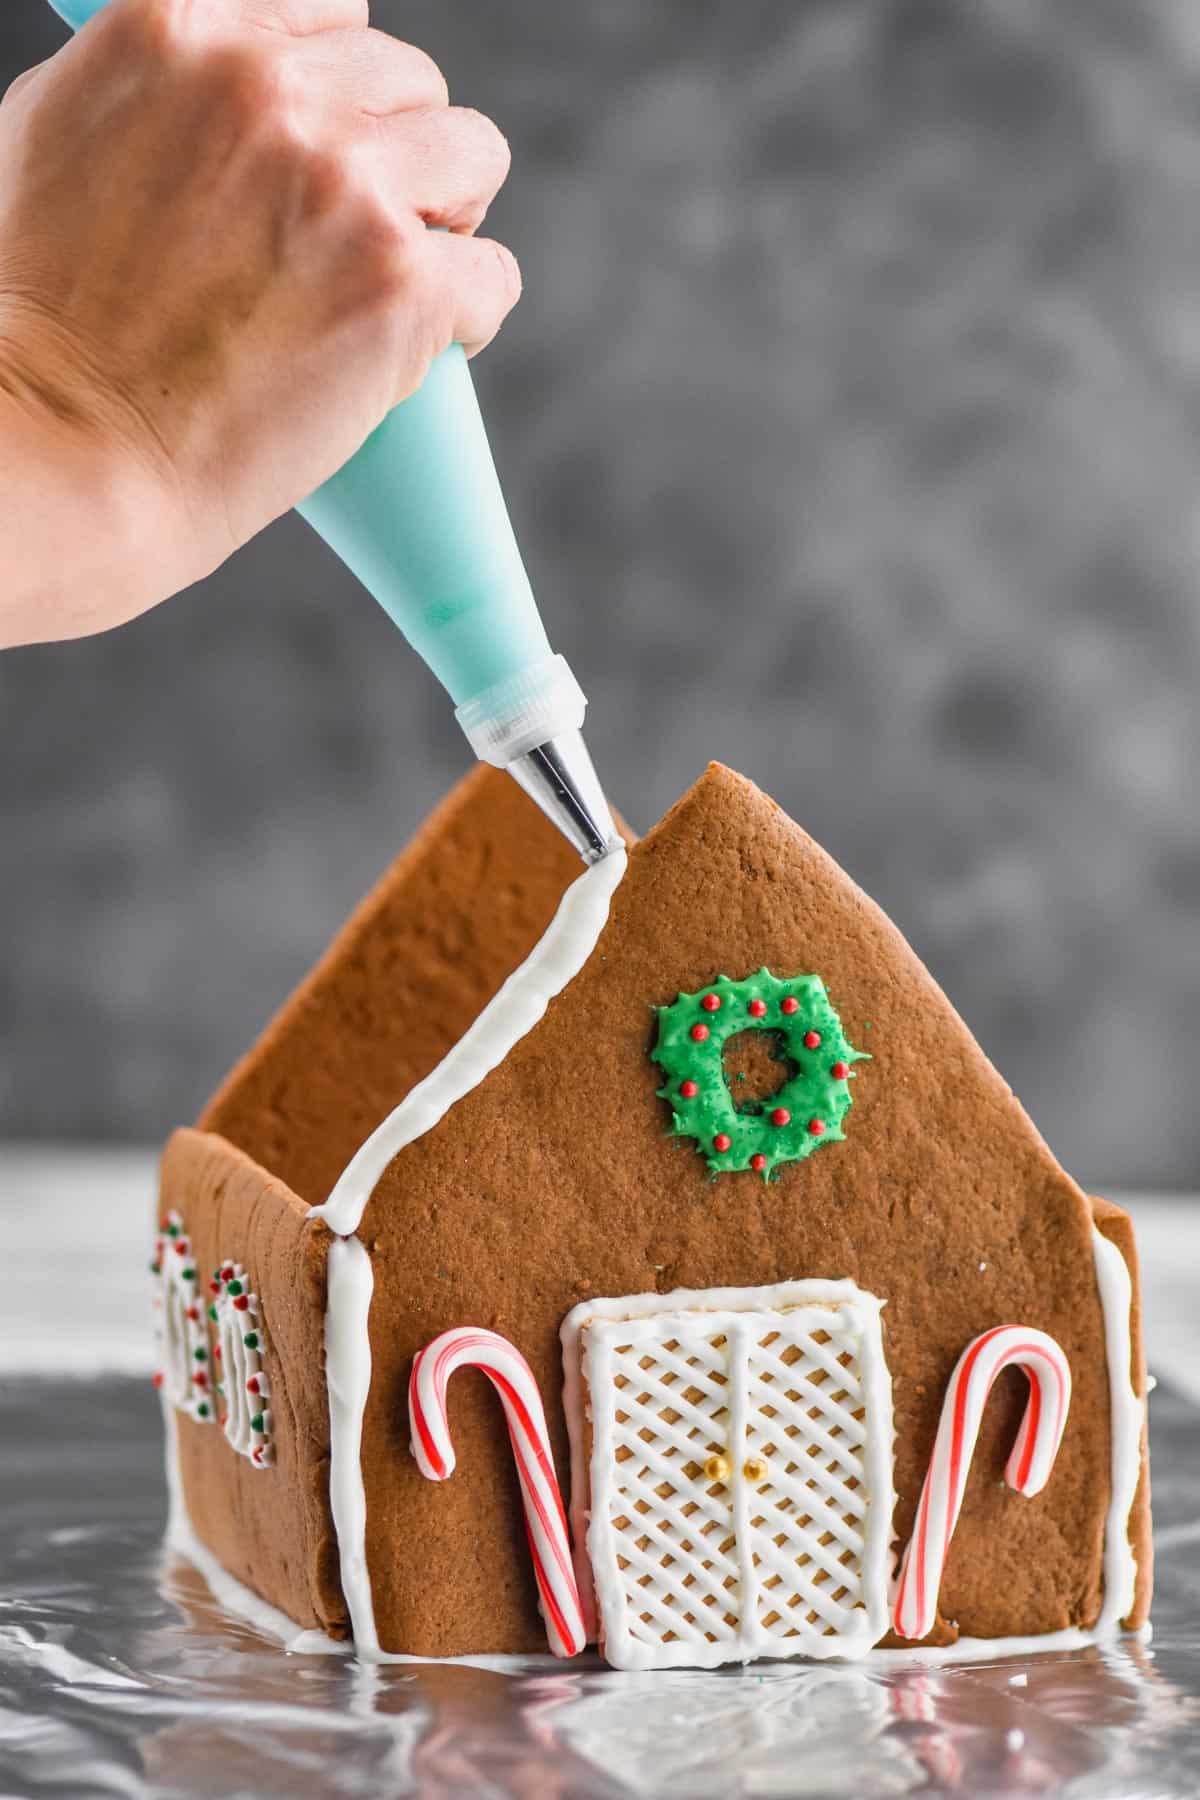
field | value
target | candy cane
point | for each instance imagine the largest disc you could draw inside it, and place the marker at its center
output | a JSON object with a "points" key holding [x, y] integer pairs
{"points": [[545, 1521], [1027, 1470]]}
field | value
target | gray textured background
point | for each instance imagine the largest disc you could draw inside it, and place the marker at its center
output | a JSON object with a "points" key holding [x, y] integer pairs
{"points": [[850, 423]]}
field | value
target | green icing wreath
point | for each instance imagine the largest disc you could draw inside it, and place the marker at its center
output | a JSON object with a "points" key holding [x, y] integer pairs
{"points": [[809, 1107]]}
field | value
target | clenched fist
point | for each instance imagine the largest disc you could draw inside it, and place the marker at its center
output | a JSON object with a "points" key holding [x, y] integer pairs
{"points": [[216, 278]]}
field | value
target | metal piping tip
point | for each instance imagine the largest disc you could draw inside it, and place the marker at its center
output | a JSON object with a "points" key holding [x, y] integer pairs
{"points": [[559, 777]]}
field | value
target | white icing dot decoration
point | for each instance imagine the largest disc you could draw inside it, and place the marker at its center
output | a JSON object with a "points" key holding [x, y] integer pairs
{"points": [[785, 1554], [242, 1380], [185, 1366]]}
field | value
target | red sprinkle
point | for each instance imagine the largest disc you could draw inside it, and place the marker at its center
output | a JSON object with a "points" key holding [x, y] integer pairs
{"points": [[193, 1312], [758, 1161], [216, 1350], [181, 1247], [200, 1378], [214, 1287], [157, 1378], [781, 1116], [227, 1272], [790, 1005], [711, 1003], [252, 1385], [812, 1040], [699, 1032], [722, 1141], [241, 1303], [688, 1089], [817, 1127], [840, 1070], [757, 1008]]}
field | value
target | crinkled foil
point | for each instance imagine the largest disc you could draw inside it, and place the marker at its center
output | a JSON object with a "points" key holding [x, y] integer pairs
{"points": [[119, 1675]]}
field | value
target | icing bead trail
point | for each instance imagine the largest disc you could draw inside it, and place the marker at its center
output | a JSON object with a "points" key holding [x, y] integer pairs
{"points": [[555, 960], [545, 1520], [1027, 1470]]}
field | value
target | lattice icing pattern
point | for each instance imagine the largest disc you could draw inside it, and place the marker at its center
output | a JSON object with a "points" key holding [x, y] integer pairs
{"points": [[241, 1379], [185, 1368], [740, 1474]]}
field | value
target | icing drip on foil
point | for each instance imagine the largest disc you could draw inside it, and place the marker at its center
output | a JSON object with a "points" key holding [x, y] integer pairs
{"points": [[1127, 1418], [554, 961]]}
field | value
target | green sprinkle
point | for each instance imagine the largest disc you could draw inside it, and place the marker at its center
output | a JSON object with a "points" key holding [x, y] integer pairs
{"points": [[212, 1312], [200, 1354], [251, 1340], [234, 1288], [202, 1410], [156, 1268], [172, 1231], [189, 1274], [256, 1423]]}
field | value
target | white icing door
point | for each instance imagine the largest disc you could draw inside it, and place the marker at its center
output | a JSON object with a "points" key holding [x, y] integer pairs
{"points": [[740, 1476]]}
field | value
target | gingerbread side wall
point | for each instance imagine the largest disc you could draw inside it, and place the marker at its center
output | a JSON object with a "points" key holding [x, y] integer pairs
{"points": [[1116, 1225], [270, 1527], [416, 962]]}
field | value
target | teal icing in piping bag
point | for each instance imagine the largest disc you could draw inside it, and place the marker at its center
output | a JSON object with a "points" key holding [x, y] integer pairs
{"points": [[419, 517]]}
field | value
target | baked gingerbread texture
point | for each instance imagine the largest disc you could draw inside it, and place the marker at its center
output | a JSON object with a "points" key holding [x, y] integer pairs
{"points": [[573, 1173]]}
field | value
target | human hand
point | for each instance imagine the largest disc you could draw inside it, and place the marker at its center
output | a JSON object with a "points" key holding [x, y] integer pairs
{"points": [[216, 280]]}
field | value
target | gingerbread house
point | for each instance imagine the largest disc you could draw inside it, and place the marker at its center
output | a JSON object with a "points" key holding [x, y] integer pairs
{"points": [[782, 1331]]}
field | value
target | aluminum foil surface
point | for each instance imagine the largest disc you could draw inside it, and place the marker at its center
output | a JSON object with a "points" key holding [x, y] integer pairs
{"points": [[119, 1674]]}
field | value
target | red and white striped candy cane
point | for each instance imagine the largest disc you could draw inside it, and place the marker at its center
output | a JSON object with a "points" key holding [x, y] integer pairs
{"points": [[545, 1522], [1027, 1470]]}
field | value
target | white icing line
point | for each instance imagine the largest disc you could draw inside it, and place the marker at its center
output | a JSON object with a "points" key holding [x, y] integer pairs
{"points": [[351, 1282], [554, 961], [1128, 1415]]}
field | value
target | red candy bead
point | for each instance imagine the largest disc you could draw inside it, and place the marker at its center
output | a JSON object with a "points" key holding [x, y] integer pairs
{"points": [[711, 1003], [252, 1385], [758, 1161], [214, 1287], [722, 1141], [241, 1303], [817, 1127], [193, 1312], [812, 1040], [781, 1116], [840, 1070], [200, 1378], [181, 1247], [157, 1379], [227, 1272], [790, 1005], [688, 1090], [699, 1032], [757, 1008]]}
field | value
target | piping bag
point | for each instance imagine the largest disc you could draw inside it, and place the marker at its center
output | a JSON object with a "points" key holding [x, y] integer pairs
{"points": [[418, 515]]}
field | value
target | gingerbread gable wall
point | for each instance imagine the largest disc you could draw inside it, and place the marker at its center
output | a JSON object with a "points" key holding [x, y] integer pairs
{"points": [[555, 1181]]}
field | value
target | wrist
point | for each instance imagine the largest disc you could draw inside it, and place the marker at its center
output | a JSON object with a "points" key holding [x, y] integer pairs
{"points": [[89, 534]]}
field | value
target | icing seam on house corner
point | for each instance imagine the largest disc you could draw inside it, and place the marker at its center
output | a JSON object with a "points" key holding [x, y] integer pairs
{"points": [[1127, 1416], [554, 961]]}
